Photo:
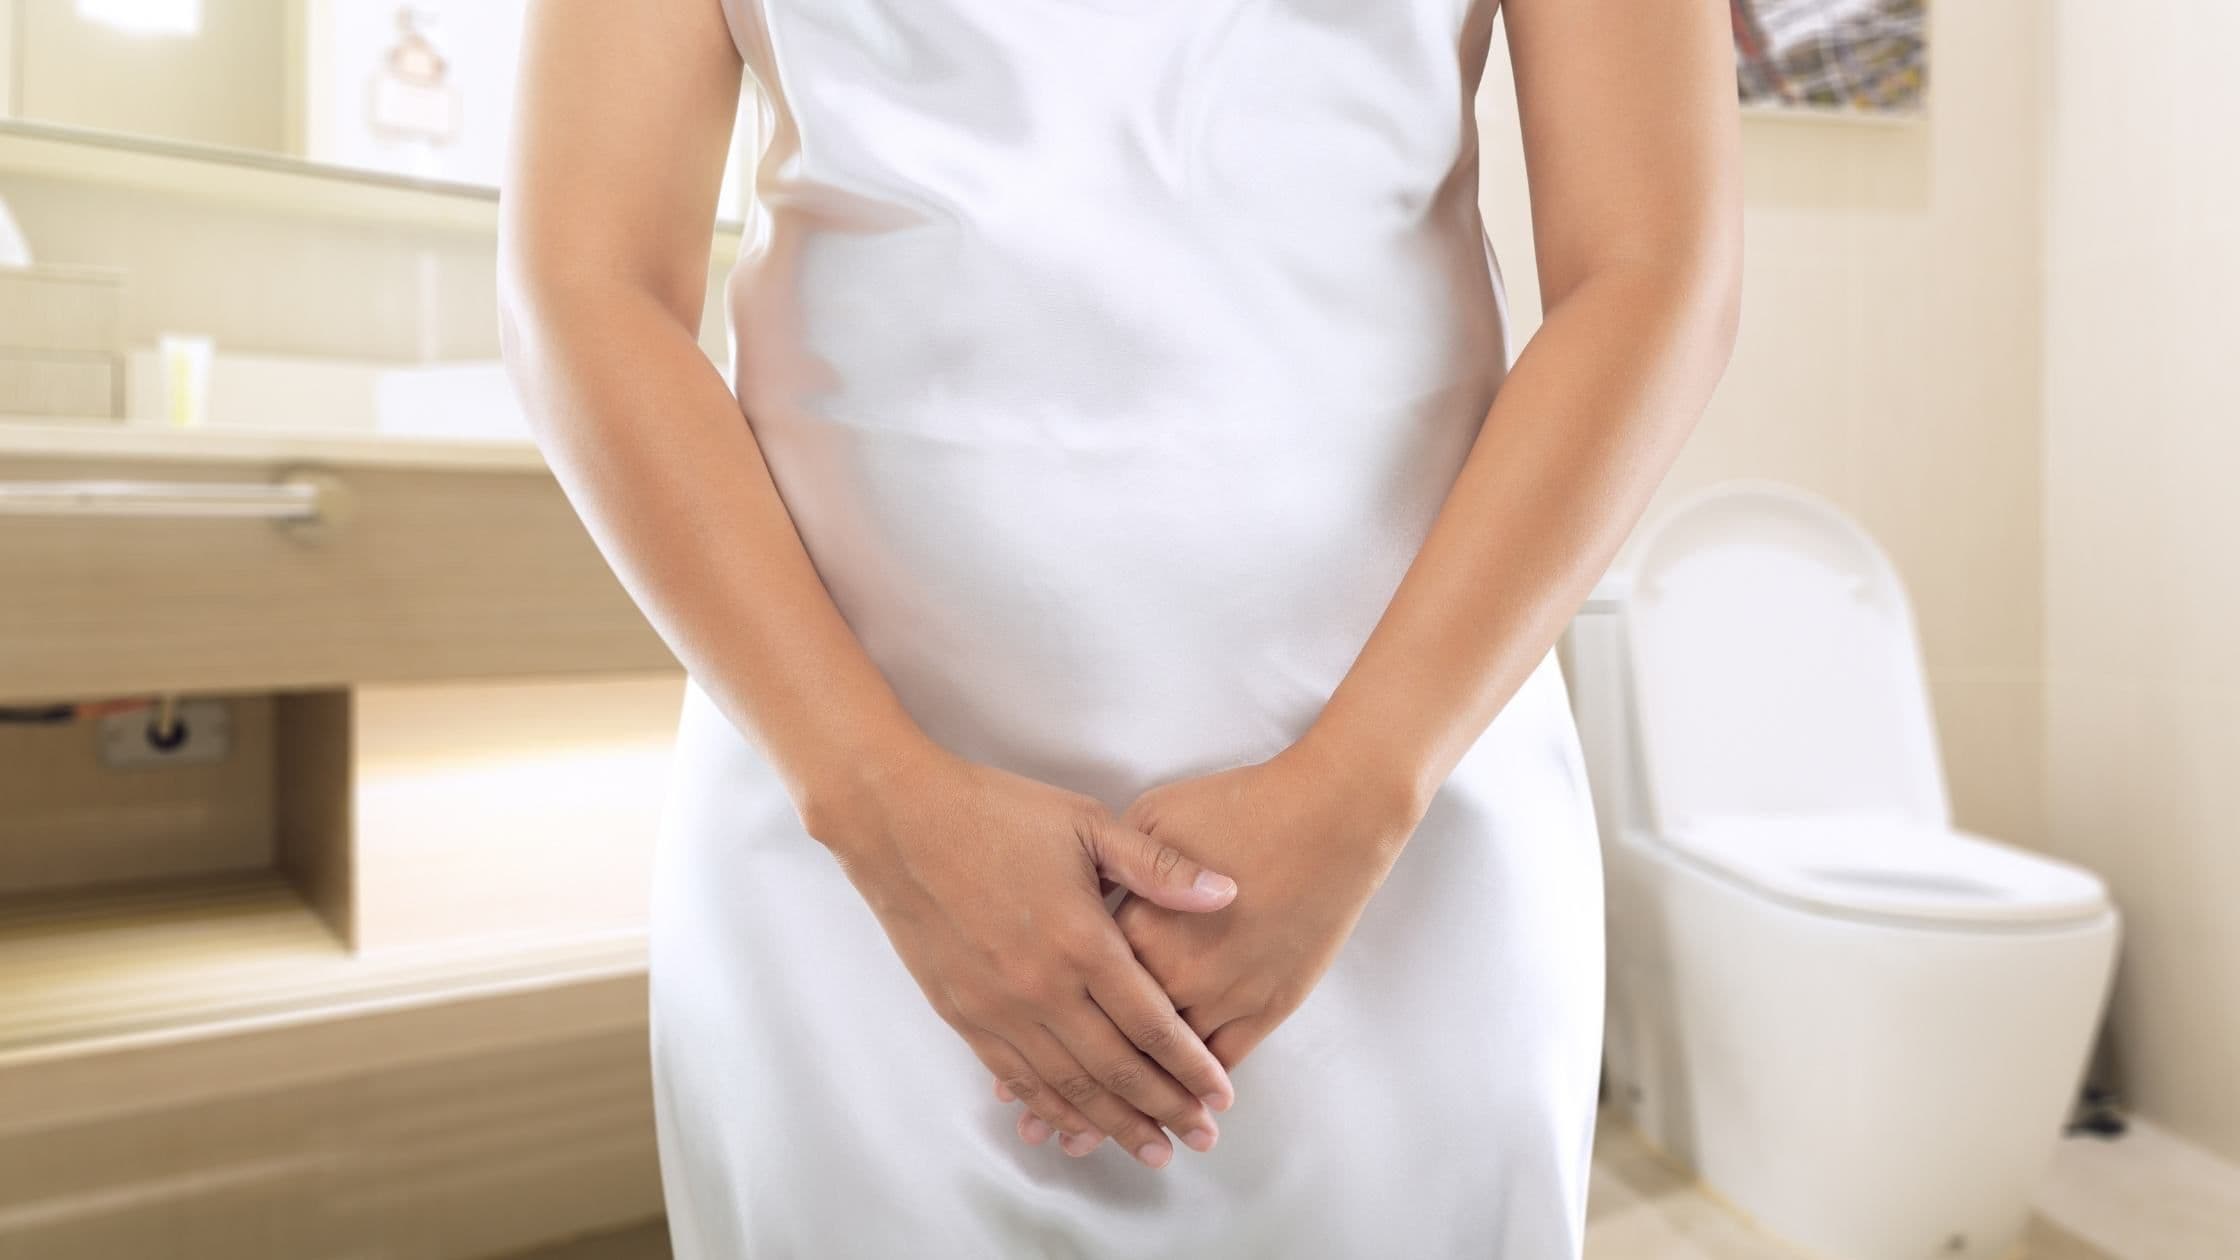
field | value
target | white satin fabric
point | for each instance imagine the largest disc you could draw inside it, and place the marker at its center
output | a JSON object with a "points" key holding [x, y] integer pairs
{"points": [[1112, 357]]}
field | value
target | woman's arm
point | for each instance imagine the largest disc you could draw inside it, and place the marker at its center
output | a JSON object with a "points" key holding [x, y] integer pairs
{"points": [[1631, 151], [622, 123], [1630, 141], [623, 117]]}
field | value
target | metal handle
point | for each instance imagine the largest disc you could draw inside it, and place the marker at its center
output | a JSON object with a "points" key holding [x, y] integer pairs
{"points": [[297, 499]]}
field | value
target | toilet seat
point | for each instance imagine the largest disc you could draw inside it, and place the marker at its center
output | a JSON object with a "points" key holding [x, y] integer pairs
{"points": [[1892, 867]]}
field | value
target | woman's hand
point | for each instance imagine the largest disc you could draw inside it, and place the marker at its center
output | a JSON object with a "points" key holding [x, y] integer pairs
{"points": [[1310, 836], [1309, 841], [987, 883]]}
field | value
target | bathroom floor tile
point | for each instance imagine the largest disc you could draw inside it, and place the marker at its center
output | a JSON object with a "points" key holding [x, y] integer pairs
{"points": [[2047, 1241], [2148, 1195], [1642, 1207]]}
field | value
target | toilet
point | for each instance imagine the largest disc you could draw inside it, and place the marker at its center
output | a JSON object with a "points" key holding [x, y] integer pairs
{"points": [[1859, 1025]]}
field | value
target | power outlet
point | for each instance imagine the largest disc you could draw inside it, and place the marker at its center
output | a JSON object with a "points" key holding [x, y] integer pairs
{"points": [[203, 733]]}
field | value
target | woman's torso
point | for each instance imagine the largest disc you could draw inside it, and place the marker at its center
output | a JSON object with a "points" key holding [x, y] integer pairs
{"points": [[1113, 356]]}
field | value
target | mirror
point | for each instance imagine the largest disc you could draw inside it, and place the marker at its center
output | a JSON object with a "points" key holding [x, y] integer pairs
{"points": [[187, 186], [412, 89]]}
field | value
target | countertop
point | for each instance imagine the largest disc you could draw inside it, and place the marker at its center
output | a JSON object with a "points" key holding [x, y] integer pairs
{"points": [[96, 439]]}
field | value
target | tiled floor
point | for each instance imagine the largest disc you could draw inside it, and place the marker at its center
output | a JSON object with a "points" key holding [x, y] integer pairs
{"points": [[2145, 1197], [1640, 1207]]}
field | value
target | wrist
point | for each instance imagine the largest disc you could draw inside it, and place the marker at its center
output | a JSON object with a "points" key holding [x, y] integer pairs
{"points": [[848, 792], [1391, 788]]}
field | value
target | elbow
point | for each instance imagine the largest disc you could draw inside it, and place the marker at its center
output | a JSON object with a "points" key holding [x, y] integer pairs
{"points": [[540, 294], [1716, 306], [1686, 283], [529, 328], [519, 308], [1698, 289], [516, 308], [1714, 279], [515, 312], [530, 388], [1700, 276], [509, 332], [1719, 283]]}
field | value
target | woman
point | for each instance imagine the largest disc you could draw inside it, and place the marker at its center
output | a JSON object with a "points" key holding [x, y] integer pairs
{"points": [[1118, 588]]}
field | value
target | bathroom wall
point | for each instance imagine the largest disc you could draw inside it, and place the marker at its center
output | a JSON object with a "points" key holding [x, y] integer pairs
{"points": [[270, 282], [2142, 448], [226, 85], [1888, 359], [336, 292], [7, 58]]}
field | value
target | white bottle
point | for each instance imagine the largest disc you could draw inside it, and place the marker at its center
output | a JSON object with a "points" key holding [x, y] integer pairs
{"points": [[411, 99]]}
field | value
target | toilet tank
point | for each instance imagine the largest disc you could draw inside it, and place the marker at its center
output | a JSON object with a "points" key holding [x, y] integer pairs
{"points": [[1595, 670], [1772, 665]]}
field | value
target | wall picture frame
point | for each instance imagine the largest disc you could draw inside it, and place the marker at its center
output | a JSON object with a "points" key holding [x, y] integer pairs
{"points": [[1866, 59]]}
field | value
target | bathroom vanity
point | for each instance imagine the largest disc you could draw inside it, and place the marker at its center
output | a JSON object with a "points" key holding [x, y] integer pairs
{"points": [[364, 953], [332, 760]]}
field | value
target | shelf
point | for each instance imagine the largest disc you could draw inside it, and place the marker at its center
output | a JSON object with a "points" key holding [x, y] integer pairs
{"points": [[355, 852], [69, 438], [260, 181], [186, 958]]}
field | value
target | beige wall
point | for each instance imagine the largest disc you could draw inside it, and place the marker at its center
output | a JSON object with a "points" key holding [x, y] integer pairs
{"points": [[2142, 459], [7, 58], [1888, 360], [226, 85], [270, 282]]}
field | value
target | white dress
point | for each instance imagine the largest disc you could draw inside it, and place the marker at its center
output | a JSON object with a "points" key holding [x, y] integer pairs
{"points": [[1112, 358]]}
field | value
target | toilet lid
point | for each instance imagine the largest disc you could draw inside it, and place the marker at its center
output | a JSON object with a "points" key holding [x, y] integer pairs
{"points": [[1890, 866], [1774, 664]]}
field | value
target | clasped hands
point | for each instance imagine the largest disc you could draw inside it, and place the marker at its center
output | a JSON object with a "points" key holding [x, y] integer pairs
{"points": [[1241, 887]]}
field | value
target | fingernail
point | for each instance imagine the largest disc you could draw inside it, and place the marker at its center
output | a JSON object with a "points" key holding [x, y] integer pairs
{"points": [[1035, 1130], [1215, 1101], [1155, 1154], [1198, 1139], [1215, 885], [1083, 1142]]}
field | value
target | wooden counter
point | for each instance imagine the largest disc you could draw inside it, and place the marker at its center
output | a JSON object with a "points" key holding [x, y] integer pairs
{"points": [[457, 560]]}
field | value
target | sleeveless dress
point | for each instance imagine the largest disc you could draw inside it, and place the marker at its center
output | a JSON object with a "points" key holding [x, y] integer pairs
{"points": [[1112, 358]]}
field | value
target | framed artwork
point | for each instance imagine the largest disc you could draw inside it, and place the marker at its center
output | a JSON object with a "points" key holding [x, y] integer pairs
{"points": [[1866, 58]]}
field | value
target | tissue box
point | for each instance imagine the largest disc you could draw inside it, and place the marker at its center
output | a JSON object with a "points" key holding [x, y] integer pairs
{"points": [[62, 341]]}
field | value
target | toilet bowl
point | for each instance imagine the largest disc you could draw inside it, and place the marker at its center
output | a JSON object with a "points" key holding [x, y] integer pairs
{"points": [[1859, 1025]]}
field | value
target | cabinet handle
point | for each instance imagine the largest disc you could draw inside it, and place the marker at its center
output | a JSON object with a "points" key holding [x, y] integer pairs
{"points": [[302, 498]]}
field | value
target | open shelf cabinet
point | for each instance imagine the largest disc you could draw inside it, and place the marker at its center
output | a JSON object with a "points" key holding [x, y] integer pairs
{"points": [[377, 845]]}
